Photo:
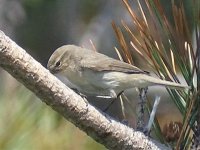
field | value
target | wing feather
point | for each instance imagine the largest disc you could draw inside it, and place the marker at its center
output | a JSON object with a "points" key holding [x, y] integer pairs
{"points": [[99, 62]]}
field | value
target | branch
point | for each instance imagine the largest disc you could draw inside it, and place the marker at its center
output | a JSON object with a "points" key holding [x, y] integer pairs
{"points": [[54, 93]]}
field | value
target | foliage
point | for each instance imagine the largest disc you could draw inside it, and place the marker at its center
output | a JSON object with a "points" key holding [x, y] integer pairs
{"points": [[169, 48]]}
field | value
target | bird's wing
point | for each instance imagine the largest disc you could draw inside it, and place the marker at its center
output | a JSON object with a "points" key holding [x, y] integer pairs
{"points": [[99, 62]]}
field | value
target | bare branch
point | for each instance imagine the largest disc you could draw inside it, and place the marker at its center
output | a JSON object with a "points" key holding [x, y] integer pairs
{"points": [[54, 93]]}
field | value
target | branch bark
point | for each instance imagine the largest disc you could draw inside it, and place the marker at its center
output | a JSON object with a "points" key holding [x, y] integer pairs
{"points": [[54, 93]]}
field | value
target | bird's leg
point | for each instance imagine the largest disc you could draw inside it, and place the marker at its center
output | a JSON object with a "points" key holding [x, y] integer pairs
{"points": [[114, 96], [141, 109], [107, 107]]}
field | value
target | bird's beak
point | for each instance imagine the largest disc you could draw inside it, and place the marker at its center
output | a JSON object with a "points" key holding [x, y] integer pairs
{"points": [[52, 68]]}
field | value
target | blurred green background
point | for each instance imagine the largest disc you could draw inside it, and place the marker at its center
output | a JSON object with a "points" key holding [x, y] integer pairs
{"points": [[28, 124], [41, 26]]}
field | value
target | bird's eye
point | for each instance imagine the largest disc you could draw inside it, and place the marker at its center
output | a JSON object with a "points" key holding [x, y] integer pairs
{"points": [[58, 64]]}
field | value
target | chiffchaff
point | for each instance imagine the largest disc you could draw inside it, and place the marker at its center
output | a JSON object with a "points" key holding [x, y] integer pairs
{"points": [[93, 73]]}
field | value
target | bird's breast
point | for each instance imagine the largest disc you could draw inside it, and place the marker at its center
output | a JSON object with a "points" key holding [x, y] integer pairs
{"points": [[79, 80]]}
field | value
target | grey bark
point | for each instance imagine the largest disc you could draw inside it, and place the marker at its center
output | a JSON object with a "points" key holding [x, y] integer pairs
{"points": [[102, 128]]}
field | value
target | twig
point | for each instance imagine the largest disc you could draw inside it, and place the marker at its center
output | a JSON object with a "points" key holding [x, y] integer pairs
{"points": [[152, 115]]}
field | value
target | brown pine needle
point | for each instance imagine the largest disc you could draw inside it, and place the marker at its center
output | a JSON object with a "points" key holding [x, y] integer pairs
{"points": [[123, 44], [136, 49], [143, 15]]}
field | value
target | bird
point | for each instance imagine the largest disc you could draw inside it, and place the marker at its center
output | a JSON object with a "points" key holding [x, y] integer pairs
{"points": [[93, 73]]}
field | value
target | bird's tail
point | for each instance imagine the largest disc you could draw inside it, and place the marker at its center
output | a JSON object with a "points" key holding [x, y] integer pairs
{"points": [[169, 84]]}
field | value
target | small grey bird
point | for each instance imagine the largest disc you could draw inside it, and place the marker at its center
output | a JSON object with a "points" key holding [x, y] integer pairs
{"points": [[92, 73]]}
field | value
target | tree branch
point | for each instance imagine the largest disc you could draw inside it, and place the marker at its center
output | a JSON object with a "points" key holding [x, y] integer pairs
{"points": [[54, 93]]}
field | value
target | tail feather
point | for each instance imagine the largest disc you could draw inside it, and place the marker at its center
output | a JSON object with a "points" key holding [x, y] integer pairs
{"points": [[169, 84], [173, 85]]}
